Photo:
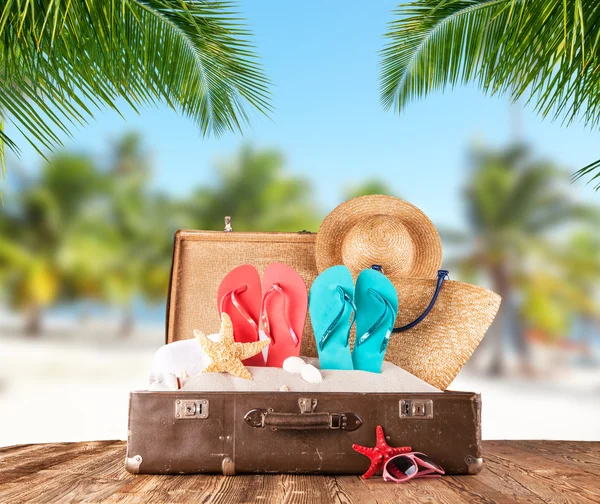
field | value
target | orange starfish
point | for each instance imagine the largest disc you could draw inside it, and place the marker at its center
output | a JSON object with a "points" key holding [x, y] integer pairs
{"points": [[380, 453]]}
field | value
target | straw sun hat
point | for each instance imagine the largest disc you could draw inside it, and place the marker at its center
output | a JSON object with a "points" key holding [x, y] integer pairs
{"points": [[401, 239], [381, 230]]}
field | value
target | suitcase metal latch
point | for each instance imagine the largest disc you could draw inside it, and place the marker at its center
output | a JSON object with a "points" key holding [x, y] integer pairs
{"points": [[416, 408], [186, 409], [307, 405]]}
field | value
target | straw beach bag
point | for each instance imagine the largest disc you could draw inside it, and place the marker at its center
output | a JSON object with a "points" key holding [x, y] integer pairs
{"points": [[446, 319], [437, 347]]}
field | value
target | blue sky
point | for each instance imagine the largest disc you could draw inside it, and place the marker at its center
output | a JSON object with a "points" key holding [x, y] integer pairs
{"points": [[322, 58]]}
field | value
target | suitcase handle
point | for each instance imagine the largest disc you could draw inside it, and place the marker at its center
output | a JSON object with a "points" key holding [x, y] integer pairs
{"points": [[262, 418]]}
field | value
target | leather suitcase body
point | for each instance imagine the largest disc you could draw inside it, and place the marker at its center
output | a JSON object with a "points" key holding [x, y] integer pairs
{"points": [[279, 432], [290, 432]]}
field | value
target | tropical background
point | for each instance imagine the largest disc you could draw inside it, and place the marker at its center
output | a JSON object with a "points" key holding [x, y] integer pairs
{"points": [[256, 120]]}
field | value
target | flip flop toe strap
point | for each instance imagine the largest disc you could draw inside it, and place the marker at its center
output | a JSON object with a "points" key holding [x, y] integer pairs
{"points": [[276, 288], [345, 300], [387, 309], [234, 301]]}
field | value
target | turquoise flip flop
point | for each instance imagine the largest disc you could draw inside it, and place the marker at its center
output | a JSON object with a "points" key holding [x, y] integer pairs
{"points": [[377, 306], [332, 314]]}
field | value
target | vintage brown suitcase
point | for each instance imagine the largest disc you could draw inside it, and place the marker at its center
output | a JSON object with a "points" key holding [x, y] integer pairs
{"points": [[289, 432], [285, 432]]}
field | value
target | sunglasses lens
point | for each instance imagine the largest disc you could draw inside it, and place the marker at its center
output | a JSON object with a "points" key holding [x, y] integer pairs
{"points": [[401, 466], [427, 460]]}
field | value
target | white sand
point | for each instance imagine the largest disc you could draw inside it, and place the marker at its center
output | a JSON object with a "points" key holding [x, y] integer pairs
{"points": [[268, 379]]}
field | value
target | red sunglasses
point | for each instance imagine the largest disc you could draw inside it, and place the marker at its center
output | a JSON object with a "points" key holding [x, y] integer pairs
{"points": [[410, 466]]}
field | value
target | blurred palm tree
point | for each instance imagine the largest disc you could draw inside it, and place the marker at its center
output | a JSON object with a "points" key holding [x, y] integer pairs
{"points": [[256, 192], [59, 61], [542, 50], [558, 297], [139, 225], [515, 206], [81, 232], [41, 236]]}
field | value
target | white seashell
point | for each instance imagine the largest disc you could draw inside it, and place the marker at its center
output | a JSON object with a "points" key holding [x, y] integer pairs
{"points": [[179, 355], [293, 364], [170, 380], [163, 381], [311, 374], [284, 388]]}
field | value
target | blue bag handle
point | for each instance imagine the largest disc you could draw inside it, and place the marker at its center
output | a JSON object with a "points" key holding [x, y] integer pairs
{"points": [[441, 276]]}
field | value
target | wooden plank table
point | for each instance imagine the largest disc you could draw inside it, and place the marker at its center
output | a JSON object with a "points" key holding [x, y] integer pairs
{"points": [[514, 471]]}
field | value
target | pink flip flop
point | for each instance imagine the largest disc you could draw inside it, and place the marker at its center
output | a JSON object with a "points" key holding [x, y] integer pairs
{"points": [[239, 296], [283, 312]]}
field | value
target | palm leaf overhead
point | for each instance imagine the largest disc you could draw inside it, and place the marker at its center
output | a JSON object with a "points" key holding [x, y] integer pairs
{"points": [[544, 50], [62, 60]]}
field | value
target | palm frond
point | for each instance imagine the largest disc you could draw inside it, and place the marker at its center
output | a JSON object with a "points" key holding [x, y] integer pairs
{"points": [[543, 50], [592, 170], [60, 61]]}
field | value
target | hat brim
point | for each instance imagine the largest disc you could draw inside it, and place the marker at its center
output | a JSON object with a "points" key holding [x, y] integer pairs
{"points": [[427, 246]]}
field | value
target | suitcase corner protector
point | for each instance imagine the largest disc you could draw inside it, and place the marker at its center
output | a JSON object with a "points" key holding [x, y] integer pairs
{"points": [[474, 464], [228, 467], [132, 464]]}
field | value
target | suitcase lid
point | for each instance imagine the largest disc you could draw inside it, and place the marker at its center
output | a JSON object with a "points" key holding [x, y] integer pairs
{"points": [[201, 259]]}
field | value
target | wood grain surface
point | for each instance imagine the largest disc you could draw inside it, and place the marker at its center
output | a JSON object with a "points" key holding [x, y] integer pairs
{"points": [[514, 471]]}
